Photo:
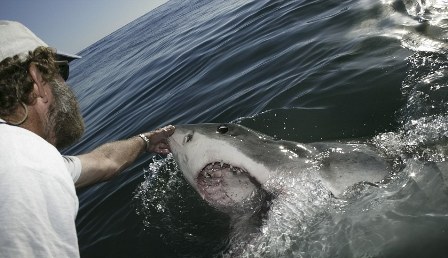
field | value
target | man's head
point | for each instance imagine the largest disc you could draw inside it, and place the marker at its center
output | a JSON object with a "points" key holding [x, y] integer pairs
{"points": [[33, 93]]}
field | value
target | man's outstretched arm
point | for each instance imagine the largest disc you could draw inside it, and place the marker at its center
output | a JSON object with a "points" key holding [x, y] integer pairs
{"points": [[110, 159]]}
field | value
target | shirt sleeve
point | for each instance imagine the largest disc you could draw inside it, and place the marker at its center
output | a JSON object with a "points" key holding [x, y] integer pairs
{"points": [[74, 166]]}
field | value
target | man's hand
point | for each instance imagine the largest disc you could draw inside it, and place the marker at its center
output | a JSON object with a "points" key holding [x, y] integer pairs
{"points": [[158, 139]]}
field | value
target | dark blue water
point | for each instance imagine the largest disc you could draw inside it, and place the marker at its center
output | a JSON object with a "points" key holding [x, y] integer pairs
{"points": [[296, 70]]}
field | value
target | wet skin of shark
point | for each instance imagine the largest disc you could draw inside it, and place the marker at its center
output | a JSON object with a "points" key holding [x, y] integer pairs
{"points": [[229, 164]]}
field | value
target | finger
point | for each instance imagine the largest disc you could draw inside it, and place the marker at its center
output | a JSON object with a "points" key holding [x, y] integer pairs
{"points": [[160, 135], [163, 146], [162, 150], [168, 130]]}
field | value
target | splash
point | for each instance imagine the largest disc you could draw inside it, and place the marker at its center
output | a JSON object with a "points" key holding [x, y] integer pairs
{"points": [[171, 209], [423, 133], [162, 181]]}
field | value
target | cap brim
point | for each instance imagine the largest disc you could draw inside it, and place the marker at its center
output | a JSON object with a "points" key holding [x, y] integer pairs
{"points": [[64, 56]]}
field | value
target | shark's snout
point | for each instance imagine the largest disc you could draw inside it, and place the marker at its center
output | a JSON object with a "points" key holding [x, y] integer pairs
{"points": [[176, 137]]}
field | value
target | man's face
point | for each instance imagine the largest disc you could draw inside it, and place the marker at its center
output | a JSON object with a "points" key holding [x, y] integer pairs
{"points": [[65, 122]]}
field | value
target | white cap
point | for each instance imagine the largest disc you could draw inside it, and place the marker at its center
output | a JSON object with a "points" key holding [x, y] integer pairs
{"points": [[16, 39]]}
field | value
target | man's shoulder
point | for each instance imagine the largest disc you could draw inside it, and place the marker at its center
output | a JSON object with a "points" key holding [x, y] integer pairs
{"points": [[25, 148], [10, 133]]}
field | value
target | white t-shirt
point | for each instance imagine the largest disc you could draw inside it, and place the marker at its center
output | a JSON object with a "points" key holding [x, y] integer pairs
{"points": [[38, 202]]}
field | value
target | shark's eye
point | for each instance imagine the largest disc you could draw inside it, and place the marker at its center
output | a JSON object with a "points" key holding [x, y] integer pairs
{"points": [[222, 129], [188, 137]]}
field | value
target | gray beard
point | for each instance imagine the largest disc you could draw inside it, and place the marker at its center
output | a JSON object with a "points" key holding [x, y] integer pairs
{"points": [[64, 119]]}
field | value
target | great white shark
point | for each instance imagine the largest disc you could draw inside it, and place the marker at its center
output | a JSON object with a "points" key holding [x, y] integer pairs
{"points": [[271, 189], [228, 164]]}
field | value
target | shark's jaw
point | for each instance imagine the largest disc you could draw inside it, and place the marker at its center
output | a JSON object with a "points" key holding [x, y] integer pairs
{"points": [[223, 185]]}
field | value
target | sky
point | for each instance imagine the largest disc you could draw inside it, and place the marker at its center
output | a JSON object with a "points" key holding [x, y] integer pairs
{"points": [[72, 25]]}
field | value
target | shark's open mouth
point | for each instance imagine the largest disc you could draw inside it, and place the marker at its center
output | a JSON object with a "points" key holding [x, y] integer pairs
{"points": [[223, 185]]}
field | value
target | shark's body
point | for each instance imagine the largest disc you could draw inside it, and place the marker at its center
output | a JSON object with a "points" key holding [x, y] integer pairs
{"points": [[228, 164]]}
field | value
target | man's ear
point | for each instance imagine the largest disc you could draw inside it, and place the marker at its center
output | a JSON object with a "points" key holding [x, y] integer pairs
{"points": [[39, 89]]}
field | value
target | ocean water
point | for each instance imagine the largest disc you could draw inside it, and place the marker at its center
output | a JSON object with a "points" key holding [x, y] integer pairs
{"points": [[304, 71]]}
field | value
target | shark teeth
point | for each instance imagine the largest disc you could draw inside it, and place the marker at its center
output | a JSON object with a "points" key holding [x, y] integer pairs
{"points": [[215, 170], [215, 166]]}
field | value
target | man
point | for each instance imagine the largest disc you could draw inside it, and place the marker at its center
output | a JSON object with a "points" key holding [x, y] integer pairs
{"points": [[38, 114]]}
